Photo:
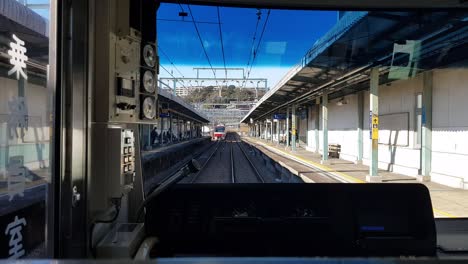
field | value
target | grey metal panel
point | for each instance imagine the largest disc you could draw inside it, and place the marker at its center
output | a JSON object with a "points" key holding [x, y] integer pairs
{"points": [[52, 213]]}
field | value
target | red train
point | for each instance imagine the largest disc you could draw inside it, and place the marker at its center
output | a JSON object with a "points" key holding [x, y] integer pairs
{"points": [[219, 132]]}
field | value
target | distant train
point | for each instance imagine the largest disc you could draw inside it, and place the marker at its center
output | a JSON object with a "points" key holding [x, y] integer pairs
{"points": [[219, 132]]}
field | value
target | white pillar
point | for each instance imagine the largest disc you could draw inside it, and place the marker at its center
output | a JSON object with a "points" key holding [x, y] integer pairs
{"points": [[426, 123], [360, 127], [374, 126], [325, 128]]}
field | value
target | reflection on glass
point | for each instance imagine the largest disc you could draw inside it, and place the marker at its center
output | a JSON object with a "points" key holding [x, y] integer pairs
{"points": [[25, 121]]}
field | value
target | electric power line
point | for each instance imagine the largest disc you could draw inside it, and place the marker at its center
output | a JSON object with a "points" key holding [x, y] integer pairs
{"points": [[255, 53], [259, 16], [172, 63], [201, 41], [222, 44], [176, 79], [181, 8], [186, 21]]}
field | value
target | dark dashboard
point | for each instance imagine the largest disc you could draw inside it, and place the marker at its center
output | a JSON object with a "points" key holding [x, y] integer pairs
{"points": [[337, 220]]}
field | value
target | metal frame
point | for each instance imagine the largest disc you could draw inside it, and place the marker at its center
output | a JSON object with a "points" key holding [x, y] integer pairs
{"points": [[331, 4], [70, 77], [52, 207], [68, 80]]}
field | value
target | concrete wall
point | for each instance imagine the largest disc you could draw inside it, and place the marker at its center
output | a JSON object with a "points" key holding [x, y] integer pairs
{"points": [[311, 129], [450, 127], [302, 129], [398, 97], [342, 125], [399, 150]]}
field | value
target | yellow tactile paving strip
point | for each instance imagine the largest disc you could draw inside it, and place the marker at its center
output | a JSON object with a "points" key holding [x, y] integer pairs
{"points": [[447, 205]]}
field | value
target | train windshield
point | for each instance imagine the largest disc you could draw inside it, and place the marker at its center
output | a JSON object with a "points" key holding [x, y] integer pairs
{"points": [[320, 96], [219, 129]]}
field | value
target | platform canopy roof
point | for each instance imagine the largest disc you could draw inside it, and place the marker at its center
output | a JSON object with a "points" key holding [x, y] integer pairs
{"points": [[179, 106], [18, 19], [340, 61]]}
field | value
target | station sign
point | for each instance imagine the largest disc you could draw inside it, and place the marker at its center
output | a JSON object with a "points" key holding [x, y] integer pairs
{"points": [[279, 116], [164, 115]]}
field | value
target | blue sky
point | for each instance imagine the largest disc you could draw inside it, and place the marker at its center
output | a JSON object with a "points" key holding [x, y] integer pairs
{"points": [[287, 37]]}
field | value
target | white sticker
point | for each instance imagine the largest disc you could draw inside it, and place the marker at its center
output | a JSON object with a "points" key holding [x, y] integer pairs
{"points": [[18, 58], [16, 238]]}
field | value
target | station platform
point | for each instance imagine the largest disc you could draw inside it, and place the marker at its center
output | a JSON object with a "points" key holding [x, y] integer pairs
{"points": [[447, 202], [161, 163]]}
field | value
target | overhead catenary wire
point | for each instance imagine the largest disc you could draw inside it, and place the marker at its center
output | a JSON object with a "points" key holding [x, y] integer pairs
{"points": [[181, 8], [175, 78], [186, 21], [255, 52], [170, 61], [201, 40], [259, 16], [222, 44]]}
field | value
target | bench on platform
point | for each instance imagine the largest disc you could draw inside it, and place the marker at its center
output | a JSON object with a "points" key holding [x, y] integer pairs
{"points": [[334, 150]]}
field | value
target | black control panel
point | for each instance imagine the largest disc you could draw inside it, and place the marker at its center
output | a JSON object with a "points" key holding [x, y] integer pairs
{"points": [[293, 220]]}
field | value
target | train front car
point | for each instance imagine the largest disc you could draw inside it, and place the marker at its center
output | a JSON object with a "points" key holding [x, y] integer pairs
{"points": [[219, 132]]}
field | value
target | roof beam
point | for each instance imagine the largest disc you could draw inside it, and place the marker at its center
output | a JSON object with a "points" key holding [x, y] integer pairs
{"points": [[332, 4], [389, 16]]}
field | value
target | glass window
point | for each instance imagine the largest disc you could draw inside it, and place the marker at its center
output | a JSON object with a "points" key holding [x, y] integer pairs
{"points": [[25, 127], [248, 64], [219, 129]]}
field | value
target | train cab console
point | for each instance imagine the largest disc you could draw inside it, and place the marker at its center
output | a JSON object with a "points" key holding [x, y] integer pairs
{"points": [[333, 220]]}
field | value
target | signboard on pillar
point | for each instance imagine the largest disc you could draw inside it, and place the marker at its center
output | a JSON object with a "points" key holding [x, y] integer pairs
{"points": [[375, 127], [405, 60], [423, 116]]}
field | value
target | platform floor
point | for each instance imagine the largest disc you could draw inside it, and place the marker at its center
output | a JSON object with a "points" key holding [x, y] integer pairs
{"points": [[447, 201]]}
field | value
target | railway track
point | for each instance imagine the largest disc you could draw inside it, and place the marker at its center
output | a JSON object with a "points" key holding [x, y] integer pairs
{"points": [[244, 159], [216, 147], [314, 175], [228, 163]]}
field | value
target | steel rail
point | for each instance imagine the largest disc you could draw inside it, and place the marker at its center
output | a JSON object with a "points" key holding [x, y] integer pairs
{"points": [[233, 171], [257, 173], [194, 179]]}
